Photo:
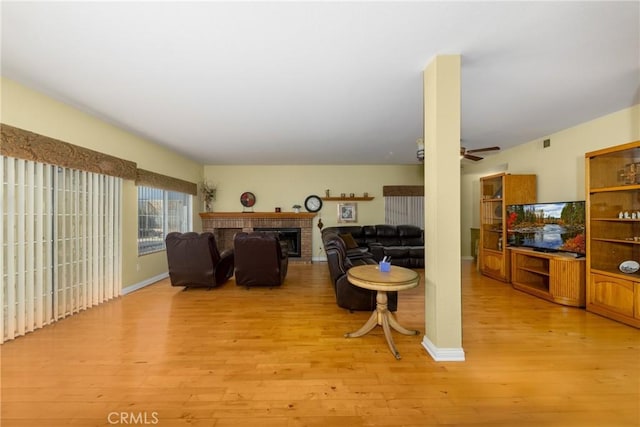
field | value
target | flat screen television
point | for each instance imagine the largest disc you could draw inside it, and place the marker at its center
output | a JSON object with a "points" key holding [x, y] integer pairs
{"points": [[548, 227]]}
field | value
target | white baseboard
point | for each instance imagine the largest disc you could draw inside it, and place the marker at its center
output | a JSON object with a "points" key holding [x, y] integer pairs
{"points": [[467, 258], [144, 283], [318, 259], [443, 354]]}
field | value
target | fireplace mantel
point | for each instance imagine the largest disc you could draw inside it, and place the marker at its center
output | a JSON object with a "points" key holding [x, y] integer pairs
{"points": [[253, 215], [224, 225]]}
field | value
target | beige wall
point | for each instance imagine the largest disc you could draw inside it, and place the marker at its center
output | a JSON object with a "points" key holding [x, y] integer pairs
{"points": [[273, 185], [284, 186], [559, 168], [30, 110]]}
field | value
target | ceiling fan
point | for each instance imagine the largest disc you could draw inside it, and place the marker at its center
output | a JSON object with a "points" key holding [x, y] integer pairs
{"points": [[468, 154]]}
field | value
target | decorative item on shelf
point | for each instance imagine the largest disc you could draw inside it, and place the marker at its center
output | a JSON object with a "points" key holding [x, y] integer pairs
{"points": [[420, 152], [365, 194], [343, 195], [296, 208], [208, 195], [630, 173], [498, 211], [347, 212], [278, 210], [352, 195], [629, 266], [247, 199], [327, 193]]}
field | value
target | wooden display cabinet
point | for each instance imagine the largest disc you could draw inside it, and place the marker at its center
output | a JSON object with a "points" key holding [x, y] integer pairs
{"points": [[613, 231], [496, 193], [556, 277]]}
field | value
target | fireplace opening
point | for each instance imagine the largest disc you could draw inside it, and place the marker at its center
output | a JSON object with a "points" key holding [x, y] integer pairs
{"points": [[292, 236]]}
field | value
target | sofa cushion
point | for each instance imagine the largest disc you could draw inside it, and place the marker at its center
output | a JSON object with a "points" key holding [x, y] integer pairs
{"points": [[416, 252], [349, 241], [387, 235], [396, 252], [410, 235]]}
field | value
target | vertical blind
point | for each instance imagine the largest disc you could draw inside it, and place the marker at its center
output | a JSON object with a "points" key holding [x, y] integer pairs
{"points": [[404, 210], [61, 243]]}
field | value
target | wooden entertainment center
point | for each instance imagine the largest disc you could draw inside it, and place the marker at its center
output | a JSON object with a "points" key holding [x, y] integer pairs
{"points": [[556, 277]]}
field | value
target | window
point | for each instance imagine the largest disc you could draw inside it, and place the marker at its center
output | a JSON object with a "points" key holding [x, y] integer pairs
{"points": [[161, 212]]}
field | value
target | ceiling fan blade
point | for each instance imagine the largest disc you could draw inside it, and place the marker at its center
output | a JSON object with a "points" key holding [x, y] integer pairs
{"points": [[471, 157], [478, 150]]}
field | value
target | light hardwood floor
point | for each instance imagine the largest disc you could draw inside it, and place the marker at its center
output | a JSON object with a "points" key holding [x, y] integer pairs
{"points": [[278, 357]]}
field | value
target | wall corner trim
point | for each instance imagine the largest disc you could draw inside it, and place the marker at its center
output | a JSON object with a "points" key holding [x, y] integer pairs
{"points": [[443, 354], [144, 283]]}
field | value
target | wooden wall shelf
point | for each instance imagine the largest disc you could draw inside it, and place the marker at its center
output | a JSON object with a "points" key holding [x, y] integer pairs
{"points": [[346, 199]]}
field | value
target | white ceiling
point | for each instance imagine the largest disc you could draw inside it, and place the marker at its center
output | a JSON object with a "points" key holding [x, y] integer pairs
{"points": [[324, 82]]}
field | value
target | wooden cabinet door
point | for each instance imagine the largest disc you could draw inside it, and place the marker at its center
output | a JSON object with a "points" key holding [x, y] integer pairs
{"points": [[611, 294], [493, 264]]}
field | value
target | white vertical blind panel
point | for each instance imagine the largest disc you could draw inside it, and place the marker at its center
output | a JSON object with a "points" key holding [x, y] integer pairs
{"points": [[118, 238], [9, 287], [95, 242], [48, 220], [58, 243], [99, 261], [82, 243], [110, 237], [3, 221], [29, 258], [20, 249], [39, 266]]}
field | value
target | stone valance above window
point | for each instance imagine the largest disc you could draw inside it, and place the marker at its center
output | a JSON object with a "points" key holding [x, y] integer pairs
{"points": [[163, 182], [23, 144], [403, 190]]}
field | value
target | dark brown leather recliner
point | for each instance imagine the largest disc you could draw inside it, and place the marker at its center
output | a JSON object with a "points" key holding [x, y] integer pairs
{"points": [[350, 296], [260, 258], [194, 260]]}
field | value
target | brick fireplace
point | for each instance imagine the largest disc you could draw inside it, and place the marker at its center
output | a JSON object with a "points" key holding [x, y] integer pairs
{"points": [[224, 225]]}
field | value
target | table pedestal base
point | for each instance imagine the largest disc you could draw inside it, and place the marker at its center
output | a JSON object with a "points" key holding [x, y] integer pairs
{"points": [[383, 317]]}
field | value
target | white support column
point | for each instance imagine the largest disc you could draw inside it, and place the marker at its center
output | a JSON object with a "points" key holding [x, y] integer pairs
{"points": [[443, 319]]}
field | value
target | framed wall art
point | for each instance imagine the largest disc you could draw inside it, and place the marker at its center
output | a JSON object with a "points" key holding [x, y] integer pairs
{"points": [[347, 212]]}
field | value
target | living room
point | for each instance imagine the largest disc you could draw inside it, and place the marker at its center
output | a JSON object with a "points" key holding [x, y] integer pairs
{"points": [[559, 169]]}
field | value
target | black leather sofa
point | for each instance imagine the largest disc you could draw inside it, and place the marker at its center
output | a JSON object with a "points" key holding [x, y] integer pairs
{"points": [[404, 244], [350, 296]]}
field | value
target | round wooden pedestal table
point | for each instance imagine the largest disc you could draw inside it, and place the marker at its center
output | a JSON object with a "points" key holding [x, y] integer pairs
{"points": [[397, 279]]}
